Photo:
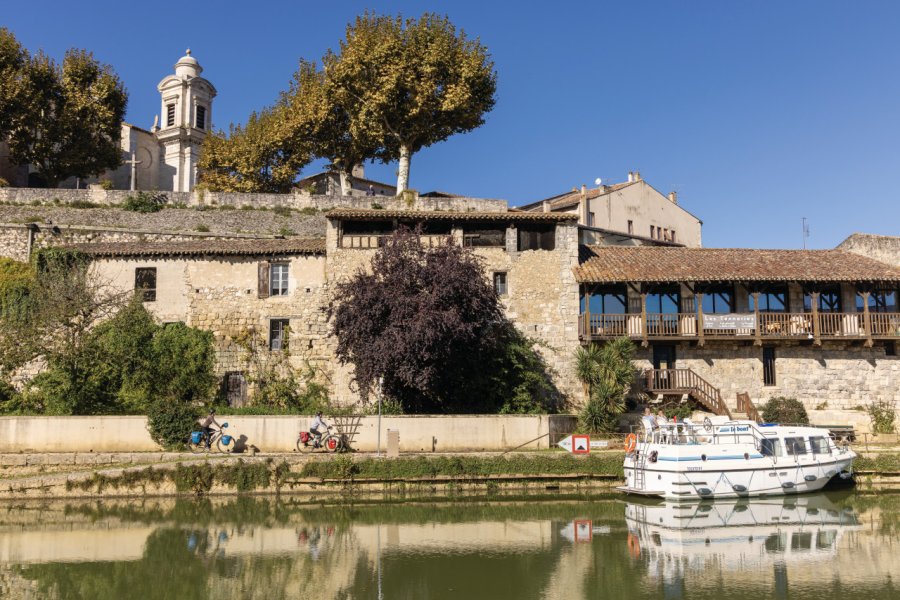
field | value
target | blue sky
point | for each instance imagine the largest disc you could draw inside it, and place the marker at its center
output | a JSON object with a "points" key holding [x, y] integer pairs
{"points": [[758, 113]]}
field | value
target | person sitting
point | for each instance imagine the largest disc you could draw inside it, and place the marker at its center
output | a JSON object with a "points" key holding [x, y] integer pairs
{"points": [[663, 424], [206, 426], [648, 422], [317, 428]]}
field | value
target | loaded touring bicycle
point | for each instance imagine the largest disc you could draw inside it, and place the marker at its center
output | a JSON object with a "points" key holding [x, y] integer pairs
{"points": [[729, 459]]}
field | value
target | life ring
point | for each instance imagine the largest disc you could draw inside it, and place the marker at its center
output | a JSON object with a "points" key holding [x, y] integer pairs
{"points": [[630, 443], [634, 546], [653, 456]]}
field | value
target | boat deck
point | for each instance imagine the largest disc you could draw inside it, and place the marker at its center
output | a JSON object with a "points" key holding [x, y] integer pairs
{"points": [[638, 492]]}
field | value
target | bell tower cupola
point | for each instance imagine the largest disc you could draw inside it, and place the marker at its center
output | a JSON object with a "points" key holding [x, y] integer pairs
{"points": [[185, 118]]}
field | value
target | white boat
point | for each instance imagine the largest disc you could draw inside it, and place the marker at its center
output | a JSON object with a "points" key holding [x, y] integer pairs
{"points": [[732, 459]]}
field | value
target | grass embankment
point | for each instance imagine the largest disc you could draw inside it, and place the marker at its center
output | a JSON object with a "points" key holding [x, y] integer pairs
{"points": [[423, 467], [885, 462]]}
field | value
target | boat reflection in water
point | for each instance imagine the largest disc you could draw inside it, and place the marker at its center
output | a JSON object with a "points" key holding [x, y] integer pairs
{"points": [[678, 540]]}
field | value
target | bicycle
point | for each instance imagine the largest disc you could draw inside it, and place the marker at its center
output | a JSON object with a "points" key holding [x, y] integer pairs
{"points": [[198, 441], [331, 442]]}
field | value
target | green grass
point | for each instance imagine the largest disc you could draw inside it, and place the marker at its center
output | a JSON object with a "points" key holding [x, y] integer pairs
{"points": [[345, 467], [886, 462]]}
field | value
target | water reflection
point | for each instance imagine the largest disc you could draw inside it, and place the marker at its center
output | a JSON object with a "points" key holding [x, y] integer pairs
{"points": [[802, 547]]}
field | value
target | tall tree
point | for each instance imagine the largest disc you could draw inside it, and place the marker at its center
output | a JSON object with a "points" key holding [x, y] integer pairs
{"points": [[261, 156], [70, 124], [321, 123], [12, 59], [410, 84]]}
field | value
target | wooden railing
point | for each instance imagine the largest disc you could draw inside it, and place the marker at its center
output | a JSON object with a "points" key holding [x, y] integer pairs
{"points": [[745, 405], [770, 326], [372, 241], [685, 381]]}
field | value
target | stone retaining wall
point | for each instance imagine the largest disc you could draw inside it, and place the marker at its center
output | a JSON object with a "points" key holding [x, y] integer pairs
{"points": [[101, 197], [279, 433]]}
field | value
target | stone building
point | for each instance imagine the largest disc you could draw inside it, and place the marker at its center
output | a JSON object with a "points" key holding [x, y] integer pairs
{"points": [[633, 208], [274, 293], [819, 325]]}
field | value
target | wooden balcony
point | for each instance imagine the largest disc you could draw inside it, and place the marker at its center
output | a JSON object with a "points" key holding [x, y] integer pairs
{"points": [[864, 326]]}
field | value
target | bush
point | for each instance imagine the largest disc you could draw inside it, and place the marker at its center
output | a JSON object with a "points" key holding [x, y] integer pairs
{"points": [[282, 211], [883, 414], [785, 410], [83, 204], [3, 183], [202, 228], [607, 372], [106, 184], [170, 422], [145, 202]]}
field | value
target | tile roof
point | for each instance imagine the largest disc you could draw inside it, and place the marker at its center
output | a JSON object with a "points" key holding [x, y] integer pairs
{"points": [[257, 247], [571, 199], [353, 214], [605, 264]]}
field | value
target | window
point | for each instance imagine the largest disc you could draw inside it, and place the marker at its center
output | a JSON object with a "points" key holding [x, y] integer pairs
{"points": [[590, 222], [771, 299], [769, 447], [278, 279], [819, 445], [170, 115], [663, 300], [630, 227], [796, 446], [652, 232], [500, 284], [200, 121], [673, 237], [537, 237], [718, 300], [486, 235], [768, 365], [145, 283], [890, 349], [278, 333]]}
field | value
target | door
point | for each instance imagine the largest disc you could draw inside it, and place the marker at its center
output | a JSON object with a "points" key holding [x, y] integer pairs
{"points": [[663, 360]]}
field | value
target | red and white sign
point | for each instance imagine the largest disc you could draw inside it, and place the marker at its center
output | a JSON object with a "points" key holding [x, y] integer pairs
{"points": [[581, 444], [584, 531]]}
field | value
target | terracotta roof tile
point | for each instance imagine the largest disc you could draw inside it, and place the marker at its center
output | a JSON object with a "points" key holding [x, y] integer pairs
{"points": [[605, 264], [351, 214], [258, 247]]}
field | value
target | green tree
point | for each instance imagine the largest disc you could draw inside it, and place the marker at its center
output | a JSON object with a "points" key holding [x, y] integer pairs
{"points": [[320, 122], [410, 83], [69, 120], [607, 372], [12, 59], [260, 156]]}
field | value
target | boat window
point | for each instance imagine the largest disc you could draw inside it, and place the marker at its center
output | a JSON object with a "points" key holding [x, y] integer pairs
{"points": [[801, 540], [826, 539], [776, 542], [819, 445], [796, 446], [770, 447]]}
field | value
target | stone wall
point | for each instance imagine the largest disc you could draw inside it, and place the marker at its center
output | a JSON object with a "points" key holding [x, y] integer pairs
{"points": [[885, 248], [837, 375], [298, 201]]}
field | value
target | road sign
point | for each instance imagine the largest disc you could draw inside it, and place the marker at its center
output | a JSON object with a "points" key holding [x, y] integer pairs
{"points": [[582, 444]]}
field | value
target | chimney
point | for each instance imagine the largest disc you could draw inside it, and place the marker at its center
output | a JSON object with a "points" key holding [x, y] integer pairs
{"points": [[637, 175], [546, 205], [673, 197], [630, 176], [583, 189]]}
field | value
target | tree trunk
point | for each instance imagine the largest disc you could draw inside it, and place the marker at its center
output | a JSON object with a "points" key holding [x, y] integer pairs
{"points": [[346, 186], [403, 169]]}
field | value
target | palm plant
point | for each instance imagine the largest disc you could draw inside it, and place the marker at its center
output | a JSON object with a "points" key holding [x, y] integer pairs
{"points": [[607, 373]]}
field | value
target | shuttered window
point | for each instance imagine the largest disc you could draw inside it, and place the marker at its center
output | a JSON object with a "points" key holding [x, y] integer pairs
{"points": [[200, 121], [278, 279], [170, 115], [263, 280]]}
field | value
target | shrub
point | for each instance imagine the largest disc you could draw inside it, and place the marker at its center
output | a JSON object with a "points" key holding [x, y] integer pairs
{"points": [[883, 414], [3, 183], [145, 202], [106, 184], [83, 204], [171, 421], [202, 228], [784, 410], [607, 372], [282, 211], [286, 232]]}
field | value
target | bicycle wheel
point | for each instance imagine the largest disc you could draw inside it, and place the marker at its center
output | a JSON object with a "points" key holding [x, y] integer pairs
{"points": [[197, 448], [306, 448], [333, 443], [222, 447]]}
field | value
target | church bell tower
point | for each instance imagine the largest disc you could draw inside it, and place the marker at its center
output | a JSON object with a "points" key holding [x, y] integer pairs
{"points": [[185, 119]]}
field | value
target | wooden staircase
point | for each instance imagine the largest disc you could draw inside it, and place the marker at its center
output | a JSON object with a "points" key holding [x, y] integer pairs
{"points": [[685, 381]]}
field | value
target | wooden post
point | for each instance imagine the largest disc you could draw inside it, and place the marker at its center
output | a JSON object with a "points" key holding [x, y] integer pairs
{"points": [[587, 312], [699, 300], [645, 343], [758, 328], [815, 319], [867, 320]]}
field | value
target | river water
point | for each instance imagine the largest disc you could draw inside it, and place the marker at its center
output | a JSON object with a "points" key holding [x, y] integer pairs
{"points": [[836, 545]]}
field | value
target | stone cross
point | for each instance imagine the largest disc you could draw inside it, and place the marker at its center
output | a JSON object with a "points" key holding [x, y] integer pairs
{"points": [[134, 163]]}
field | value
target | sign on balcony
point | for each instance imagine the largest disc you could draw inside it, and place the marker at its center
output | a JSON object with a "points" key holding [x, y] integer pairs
{"points": [[729, 321]]}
